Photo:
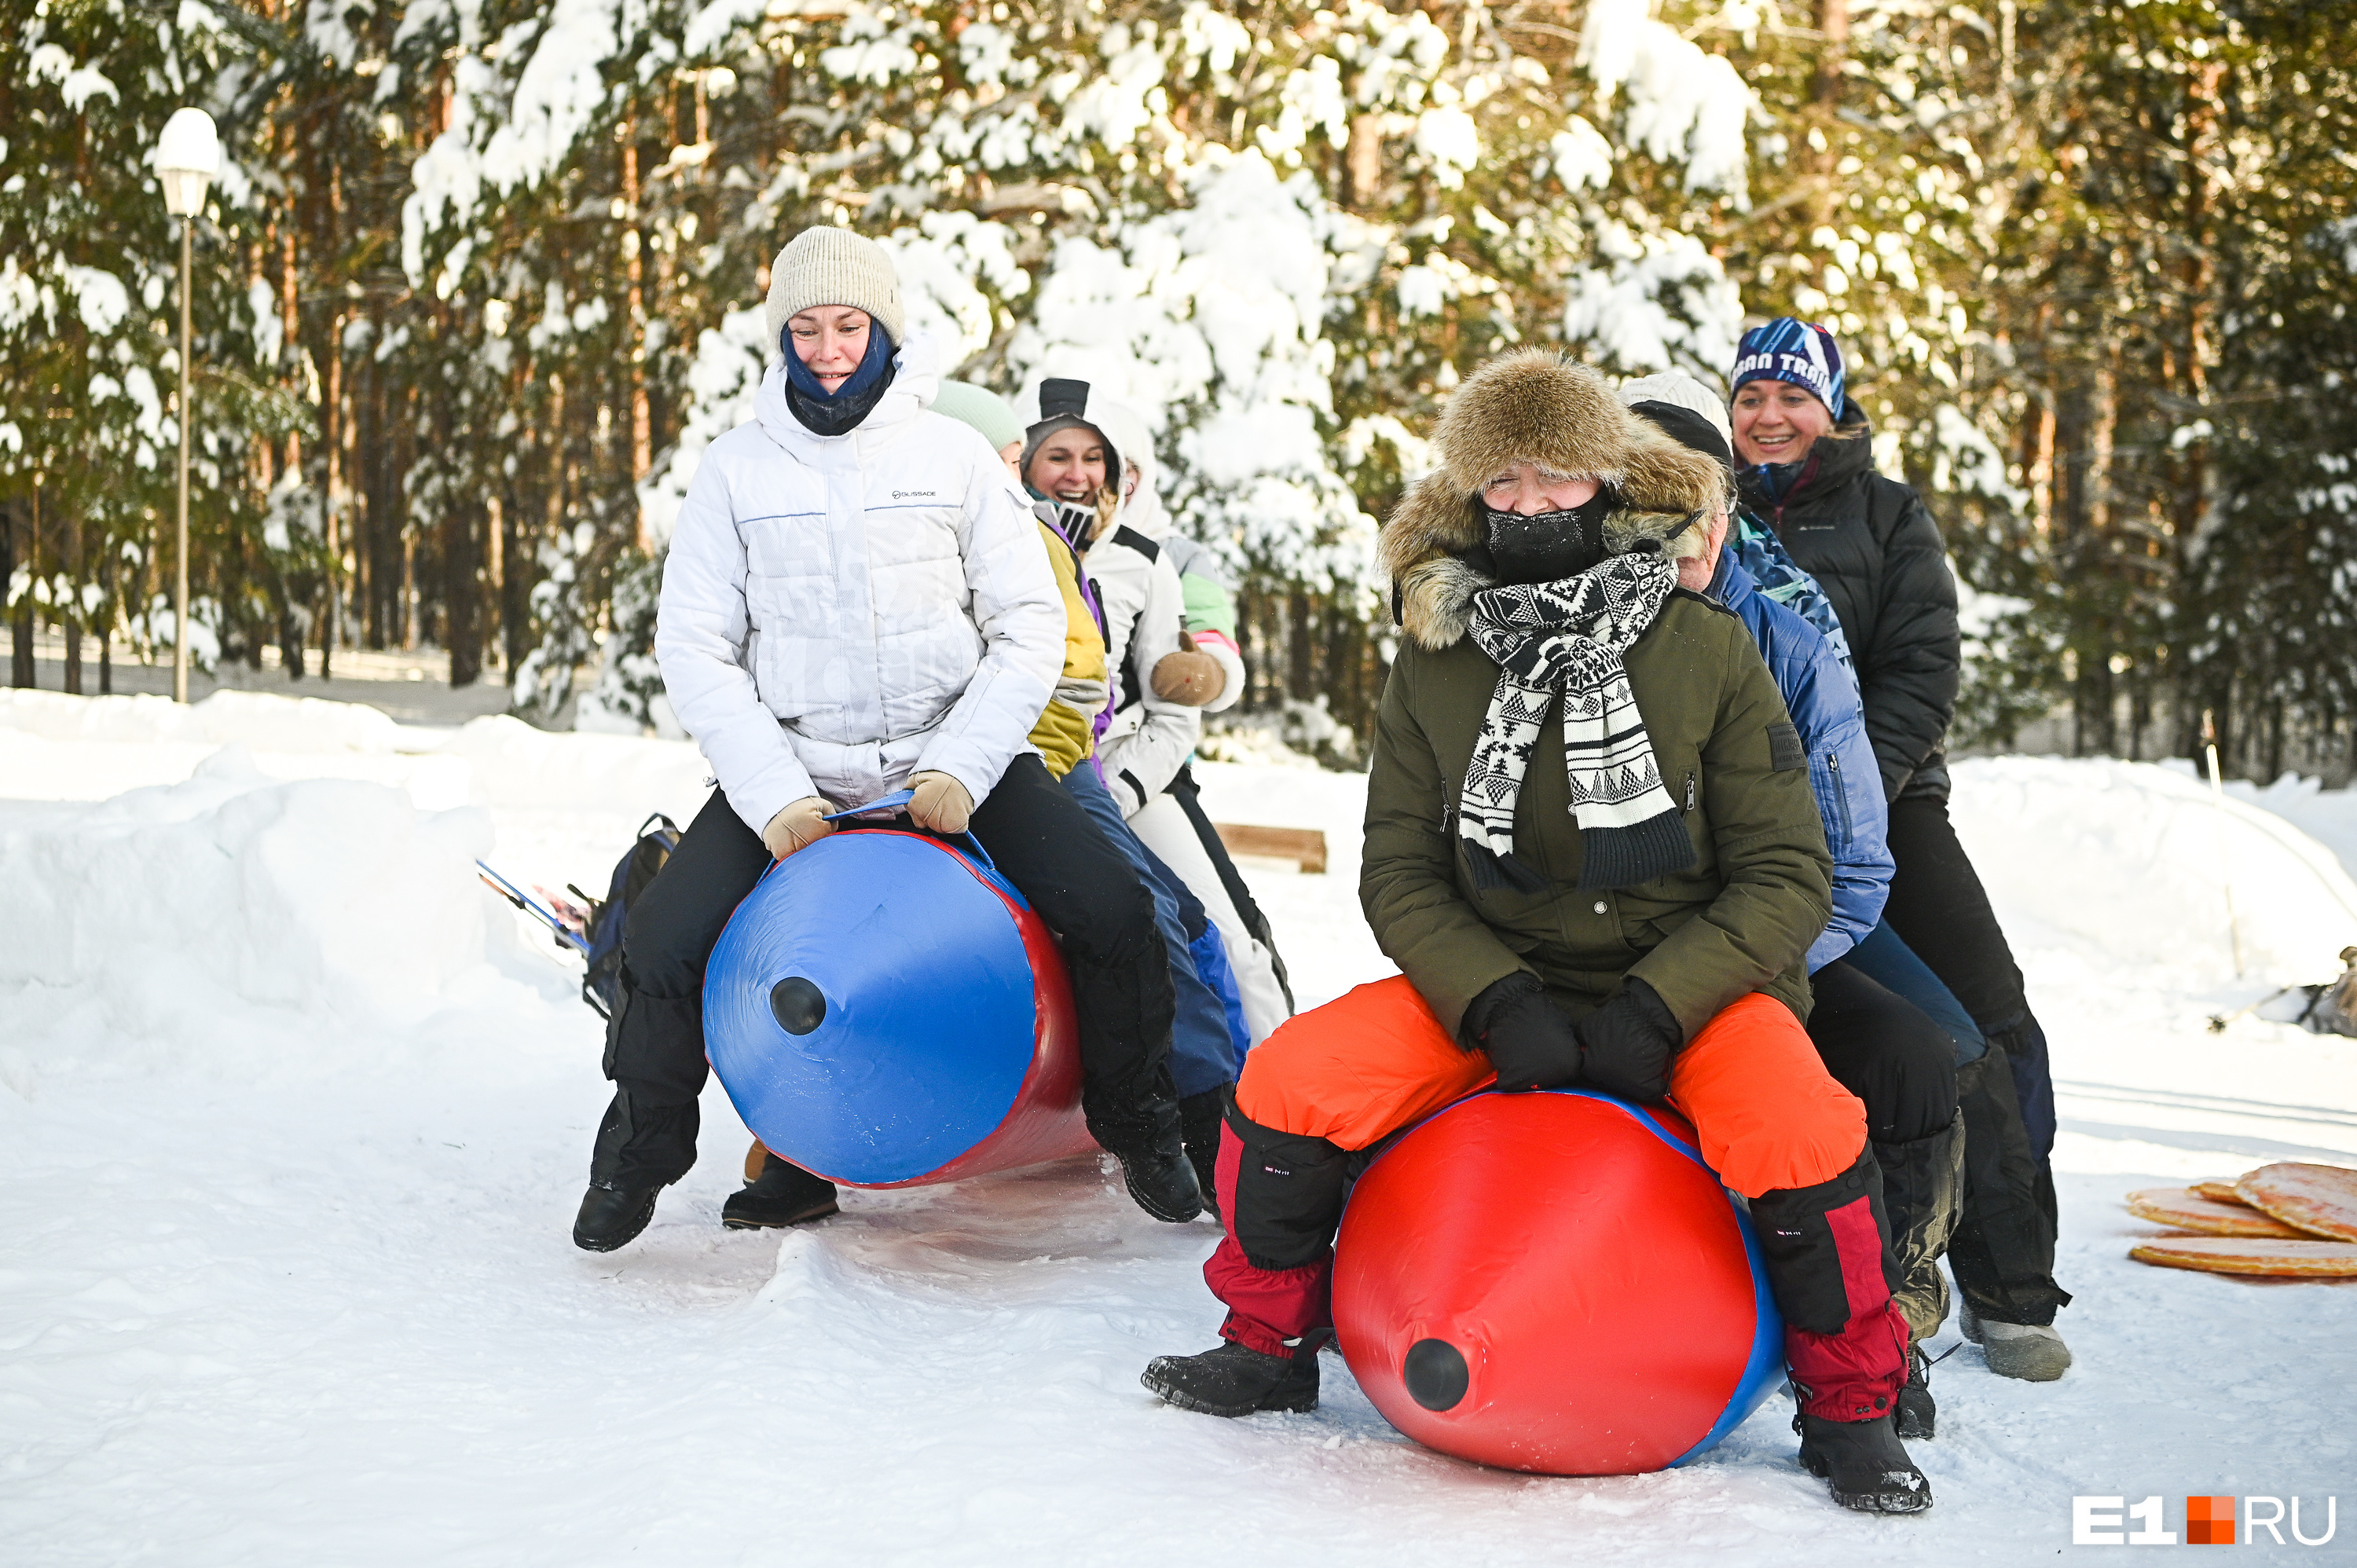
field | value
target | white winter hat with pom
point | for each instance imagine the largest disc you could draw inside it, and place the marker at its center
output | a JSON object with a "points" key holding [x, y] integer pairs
{"points": [[825, 265]]}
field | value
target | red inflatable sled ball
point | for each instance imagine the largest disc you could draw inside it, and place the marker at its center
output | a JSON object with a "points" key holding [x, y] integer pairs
{"points": [[1555, 1282]]}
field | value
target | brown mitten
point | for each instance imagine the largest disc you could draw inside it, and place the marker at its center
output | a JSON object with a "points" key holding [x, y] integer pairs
{"points": [[1188, 678], [796, 826], [938, 803]]}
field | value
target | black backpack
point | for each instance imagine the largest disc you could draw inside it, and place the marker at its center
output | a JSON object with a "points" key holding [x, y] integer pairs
{"points": [[601, 986]]}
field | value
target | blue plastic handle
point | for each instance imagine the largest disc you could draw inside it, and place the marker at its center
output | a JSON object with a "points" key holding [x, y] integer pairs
{"points": [[972, 845], [895, 798]]}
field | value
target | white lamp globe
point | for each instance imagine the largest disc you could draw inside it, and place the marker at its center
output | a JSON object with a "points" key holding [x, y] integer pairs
{"points": [[188, 156]]}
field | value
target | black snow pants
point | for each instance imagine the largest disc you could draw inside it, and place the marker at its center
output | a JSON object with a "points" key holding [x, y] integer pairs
{"points": [[2003, 1249], [1044, 844], [1939, 907], [1887, 1051]]}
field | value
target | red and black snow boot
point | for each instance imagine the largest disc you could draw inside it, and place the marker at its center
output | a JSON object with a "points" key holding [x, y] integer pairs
{"points": [[1236, 1380]]}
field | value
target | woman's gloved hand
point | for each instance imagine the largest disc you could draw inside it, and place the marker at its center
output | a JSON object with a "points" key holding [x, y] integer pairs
{"points": [[1627, 1045], [938, 803], [1188, 678], [1529, 1040], [796, 826]]}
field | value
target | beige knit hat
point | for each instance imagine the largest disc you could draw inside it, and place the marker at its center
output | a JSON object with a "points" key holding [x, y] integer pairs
{"points": [[825, 265]]}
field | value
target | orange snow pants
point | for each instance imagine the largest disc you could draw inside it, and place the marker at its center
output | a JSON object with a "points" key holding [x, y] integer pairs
{"points": [[1771, 1122], [1766, 1113]]}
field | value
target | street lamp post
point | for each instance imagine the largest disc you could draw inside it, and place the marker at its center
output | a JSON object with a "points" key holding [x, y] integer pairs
{"points": [[188, 156]]}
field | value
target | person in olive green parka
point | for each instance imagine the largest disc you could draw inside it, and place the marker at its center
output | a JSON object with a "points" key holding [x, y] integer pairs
{"points": [[1623, 903], [1739, 919]]}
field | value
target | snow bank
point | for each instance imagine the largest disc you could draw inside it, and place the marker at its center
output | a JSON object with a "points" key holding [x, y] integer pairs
{"points": [[511, 764], [87, 748], [2129, 862], [261, 720], [233, 923], [2328, 816]]}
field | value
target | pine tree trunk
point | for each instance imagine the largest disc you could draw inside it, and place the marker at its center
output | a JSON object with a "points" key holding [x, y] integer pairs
{"points": [[633, 248], [494, 583], [408, 588], [461, 597], [22, 672], [72, 573], [106, 624]]}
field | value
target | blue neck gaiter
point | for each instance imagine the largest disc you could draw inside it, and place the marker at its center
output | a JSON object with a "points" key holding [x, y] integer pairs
{"points": [[823, 413]]}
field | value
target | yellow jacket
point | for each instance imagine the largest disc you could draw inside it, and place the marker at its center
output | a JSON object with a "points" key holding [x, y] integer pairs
{"points": [[1066, 731]]}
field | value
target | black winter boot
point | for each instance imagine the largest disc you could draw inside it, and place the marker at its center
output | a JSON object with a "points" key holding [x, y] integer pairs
{"points": [[1160, 1178], [1919, 1416], [783, 1194], [1200, 1116], [612, 1216], [1145, 1139], [1864, 1464], [1236, 1380], [641, 1150]]}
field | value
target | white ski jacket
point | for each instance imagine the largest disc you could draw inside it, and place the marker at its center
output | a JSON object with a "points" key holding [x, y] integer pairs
{"points": [[840, 612], [1146, 609]]}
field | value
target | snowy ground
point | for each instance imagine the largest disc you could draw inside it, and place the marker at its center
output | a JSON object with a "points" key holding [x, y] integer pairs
{"points": [[294, 1117]]}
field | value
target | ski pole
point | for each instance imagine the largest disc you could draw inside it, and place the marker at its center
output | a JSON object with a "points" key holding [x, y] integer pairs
{"points": [[2225, 869], [2218, 1021], [508, 890]]}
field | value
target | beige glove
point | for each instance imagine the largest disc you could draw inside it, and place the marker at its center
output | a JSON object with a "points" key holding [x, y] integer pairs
{"points": [[940, 803], [796, 826], [1188, 678]]}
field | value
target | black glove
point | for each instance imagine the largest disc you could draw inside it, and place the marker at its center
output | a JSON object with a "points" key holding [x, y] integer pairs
{"points": [[1529, 1040], [1627, 1045]]}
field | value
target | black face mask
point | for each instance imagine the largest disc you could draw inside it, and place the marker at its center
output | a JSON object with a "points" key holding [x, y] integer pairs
{"points": [[1550, 546]]}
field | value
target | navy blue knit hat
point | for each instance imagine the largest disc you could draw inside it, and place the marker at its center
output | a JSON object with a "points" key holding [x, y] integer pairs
{"points": [[1800, 352]]}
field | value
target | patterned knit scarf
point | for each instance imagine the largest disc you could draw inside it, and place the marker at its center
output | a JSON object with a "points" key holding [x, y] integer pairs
{"points": [[1567, 638]]}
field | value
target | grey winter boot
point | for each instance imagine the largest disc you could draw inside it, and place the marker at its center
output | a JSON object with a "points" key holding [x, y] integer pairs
{"points": [[2033, 1352]]}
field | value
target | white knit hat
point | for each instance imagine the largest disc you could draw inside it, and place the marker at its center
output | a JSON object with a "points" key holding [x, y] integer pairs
{"points": [[825, 265], [1680, 390]]}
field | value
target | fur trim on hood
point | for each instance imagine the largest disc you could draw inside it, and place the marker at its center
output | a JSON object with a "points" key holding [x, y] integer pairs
{"points": [[1534, 406]]}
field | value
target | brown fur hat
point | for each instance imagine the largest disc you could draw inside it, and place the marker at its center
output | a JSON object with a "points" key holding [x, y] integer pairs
{"points": [[1534, 406]]}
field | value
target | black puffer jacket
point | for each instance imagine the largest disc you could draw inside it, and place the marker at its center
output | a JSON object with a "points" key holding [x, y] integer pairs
{"points": [[1872, 545]]}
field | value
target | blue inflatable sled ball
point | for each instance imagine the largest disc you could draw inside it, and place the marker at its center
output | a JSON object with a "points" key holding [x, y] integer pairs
{"points": [[886, 1011], [1555, 1282]]}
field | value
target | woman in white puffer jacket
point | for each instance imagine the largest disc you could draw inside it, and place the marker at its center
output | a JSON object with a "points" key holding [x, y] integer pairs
{"points": [[856, 602]]}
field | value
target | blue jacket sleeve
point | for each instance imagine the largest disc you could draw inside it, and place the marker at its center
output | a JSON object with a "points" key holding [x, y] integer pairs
{"points": [[1843, 770], [1826, 709]]}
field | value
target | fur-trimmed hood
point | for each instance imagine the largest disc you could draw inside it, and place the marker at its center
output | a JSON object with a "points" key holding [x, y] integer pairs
{"points": [[1534, 406]]}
